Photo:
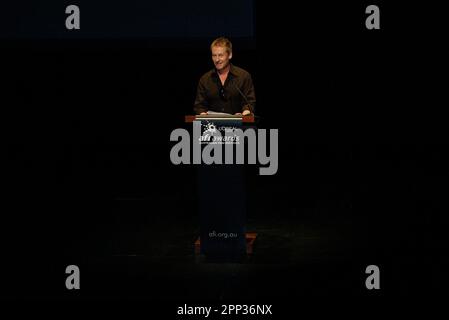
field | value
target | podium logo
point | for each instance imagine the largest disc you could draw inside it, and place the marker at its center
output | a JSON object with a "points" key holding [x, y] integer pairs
{"points": [[209, 127], [226, 135], [194, 151]]}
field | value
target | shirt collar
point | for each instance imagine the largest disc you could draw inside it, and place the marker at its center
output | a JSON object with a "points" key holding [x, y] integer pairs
{"points": [[232, 70]]}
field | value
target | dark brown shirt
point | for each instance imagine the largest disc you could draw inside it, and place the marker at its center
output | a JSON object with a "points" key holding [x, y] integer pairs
{"points": [[236, 95]]}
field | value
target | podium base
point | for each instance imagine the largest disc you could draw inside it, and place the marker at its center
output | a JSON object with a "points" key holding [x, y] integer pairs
{"points": [[250, 239]]}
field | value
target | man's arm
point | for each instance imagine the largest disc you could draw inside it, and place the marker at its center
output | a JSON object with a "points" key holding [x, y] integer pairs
{"points": [[200, 105], [250, 94]]}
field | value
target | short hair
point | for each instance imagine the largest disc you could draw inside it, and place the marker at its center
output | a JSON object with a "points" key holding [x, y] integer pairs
{"points": [[222, 42]]}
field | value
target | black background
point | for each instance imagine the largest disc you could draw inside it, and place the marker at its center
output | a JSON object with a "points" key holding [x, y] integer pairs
{"points": [[130, 20], [363, 147]]}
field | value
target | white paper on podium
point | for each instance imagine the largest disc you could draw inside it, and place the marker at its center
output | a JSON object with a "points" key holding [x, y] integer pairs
{"points": [[213, 115], [218, 113]]}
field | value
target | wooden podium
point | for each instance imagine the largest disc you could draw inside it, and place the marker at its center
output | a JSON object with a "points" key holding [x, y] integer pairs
{"points": [[222, 199], [220, 117]]}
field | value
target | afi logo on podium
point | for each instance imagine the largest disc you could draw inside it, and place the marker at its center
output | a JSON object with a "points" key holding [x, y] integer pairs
{"points": [[210, 134], [213, 152]]}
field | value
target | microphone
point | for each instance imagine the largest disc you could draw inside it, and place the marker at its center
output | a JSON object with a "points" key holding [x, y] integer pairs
{"points": [[243, 96]]}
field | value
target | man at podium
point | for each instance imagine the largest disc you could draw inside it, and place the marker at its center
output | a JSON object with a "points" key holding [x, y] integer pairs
{"points": [[226, 88]]}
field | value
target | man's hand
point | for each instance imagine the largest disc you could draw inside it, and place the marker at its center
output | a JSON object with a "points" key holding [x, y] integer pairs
{"points": [[244, 113], [203, 113]]}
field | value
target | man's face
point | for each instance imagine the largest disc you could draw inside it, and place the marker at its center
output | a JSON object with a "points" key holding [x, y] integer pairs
{"points": [[220, 57]]}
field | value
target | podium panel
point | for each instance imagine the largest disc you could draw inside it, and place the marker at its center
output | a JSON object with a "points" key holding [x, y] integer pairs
{"points": [[222, 208], [222, 196]]}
